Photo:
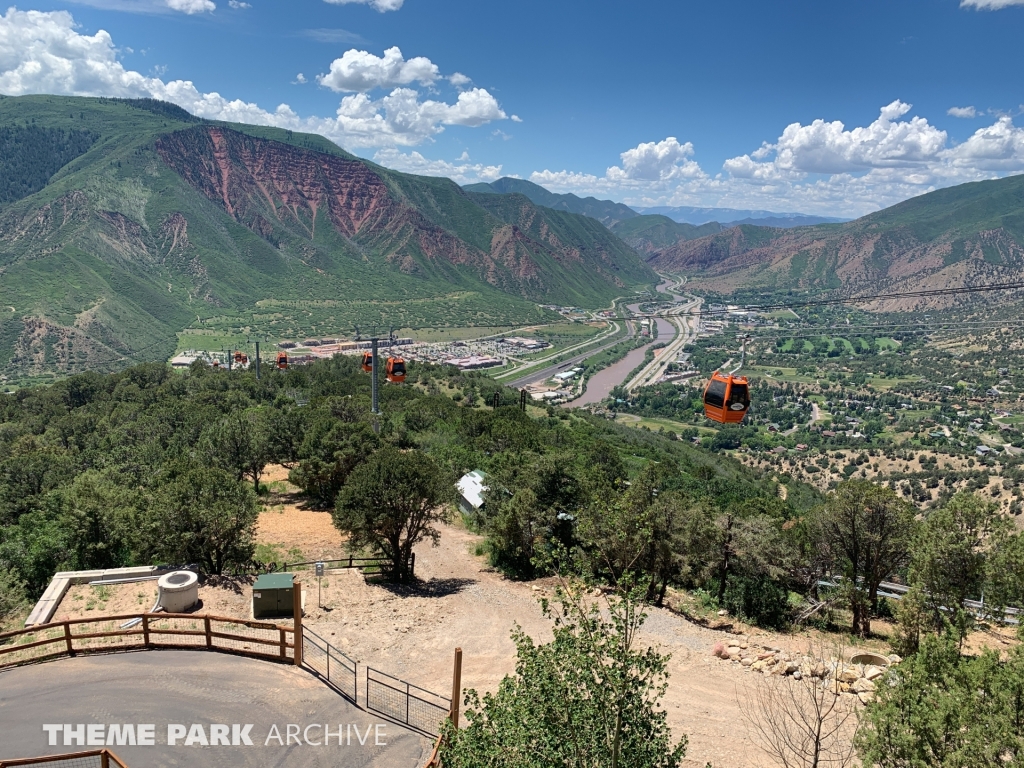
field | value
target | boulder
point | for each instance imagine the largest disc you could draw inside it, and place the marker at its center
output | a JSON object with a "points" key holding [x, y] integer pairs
{"points": [[863, 685], [872, 672], [865, 697], [849, 675]]}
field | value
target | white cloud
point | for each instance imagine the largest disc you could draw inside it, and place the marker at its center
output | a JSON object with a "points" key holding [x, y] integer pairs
{"points": [[238, 4], [516, 119], [656, 161], [965, 112], [300, 79], [461, 171], [459, 80], [362, 71], [379, 5], [42, 52], [998, 148], [191, 6], [818, 168], [989, 5]]}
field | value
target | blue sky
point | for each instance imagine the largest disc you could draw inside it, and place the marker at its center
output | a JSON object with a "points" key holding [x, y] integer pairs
{"points": [[648, 102]]}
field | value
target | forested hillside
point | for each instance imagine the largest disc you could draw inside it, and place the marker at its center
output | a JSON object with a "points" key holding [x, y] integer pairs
{"points": [[98, 471], [964, 235], [123, 223]]}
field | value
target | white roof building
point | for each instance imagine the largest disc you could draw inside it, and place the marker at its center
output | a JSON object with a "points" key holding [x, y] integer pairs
{"points": [[471, 488]]}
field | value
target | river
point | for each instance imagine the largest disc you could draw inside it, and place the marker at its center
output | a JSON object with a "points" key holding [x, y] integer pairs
{"points": [[604, 381]]}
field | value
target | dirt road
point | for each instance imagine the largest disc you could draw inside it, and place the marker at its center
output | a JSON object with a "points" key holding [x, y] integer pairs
{"points": [[413, 632]]}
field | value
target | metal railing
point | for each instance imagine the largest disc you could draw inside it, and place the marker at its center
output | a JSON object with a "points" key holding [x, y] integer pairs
{"points": [[330, 664], [405, 703], [99, 758], [139, 631]]}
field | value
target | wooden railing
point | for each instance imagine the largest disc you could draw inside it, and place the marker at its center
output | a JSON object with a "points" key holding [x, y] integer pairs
{"points": [[97, 758], [138, 631]]}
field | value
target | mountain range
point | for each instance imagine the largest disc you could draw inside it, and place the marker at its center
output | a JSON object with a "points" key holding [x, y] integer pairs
{"points": [[735, 216], [126, 223], [971, 234], [612, 214]]}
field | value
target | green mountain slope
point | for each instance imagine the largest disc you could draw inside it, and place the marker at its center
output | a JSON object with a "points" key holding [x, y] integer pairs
{"points": [[159, 222], [605, 211], [969, 234], [653, 233]]}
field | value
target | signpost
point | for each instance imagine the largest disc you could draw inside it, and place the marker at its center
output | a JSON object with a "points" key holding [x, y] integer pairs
{"points": [[319, 575]]}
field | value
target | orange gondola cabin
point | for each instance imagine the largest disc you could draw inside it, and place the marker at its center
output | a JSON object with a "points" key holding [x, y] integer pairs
{"points": [[395, 370], [367, 362], [282, 361], [726, 398]]}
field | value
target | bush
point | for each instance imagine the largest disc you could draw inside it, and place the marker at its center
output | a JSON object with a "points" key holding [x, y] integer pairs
{"points": [[760, 601], [13, 596]]}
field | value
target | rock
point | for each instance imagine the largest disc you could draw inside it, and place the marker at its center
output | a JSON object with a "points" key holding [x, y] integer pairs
{"points": [[798, 675], [747, 662], [733, 649], [791, 667], [818, 670], [865, 697], [863, 686], [849, 675], [871, 672], [744, 646], [894, 659], [723, 612], [759, 666]]}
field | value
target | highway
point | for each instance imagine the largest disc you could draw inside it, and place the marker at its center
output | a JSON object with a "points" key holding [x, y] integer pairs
{"points": [[686, 330], [546, 373]]}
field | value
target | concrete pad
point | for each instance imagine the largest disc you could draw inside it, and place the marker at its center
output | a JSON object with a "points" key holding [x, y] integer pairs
{"points": [[161, 688]]}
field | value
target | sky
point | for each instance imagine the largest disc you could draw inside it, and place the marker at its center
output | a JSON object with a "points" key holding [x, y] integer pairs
{"points": [[814, 106]]}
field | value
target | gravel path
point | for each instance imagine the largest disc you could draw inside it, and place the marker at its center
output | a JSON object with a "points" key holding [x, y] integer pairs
{"points": [[412, 633]]}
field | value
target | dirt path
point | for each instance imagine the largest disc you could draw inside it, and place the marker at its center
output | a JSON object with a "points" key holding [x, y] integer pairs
{"points": [[412, 633]]}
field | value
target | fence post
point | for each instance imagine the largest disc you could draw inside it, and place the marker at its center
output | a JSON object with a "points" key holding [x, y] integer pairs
{"points": [[206, 627], [67, 639], [284, 644], [297, 610], [456, 687], [145, 629]]}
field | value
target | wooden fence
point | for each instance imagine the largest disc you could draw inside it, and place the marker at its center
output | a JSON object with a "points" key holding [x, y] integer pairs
{"points": [[97, 758], [138, 631]]}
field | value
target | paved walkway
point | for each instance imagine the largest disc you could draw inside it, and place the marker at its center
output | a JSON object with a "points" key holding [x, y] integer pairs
{"points": [[194, 687]]}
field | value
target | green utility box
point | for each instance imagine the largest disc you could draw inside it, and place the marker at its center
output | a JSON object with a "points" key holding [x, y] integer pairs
{"points": [[272, 596]]}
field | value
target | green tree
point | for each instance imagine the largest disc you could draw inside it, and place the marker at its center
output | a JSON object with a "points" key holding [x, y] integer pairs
{"points": [[950, 557], [392, 502], [939, 710], [864, 533], [588, 698], [240, 443], [330, 450], [204, 516]]}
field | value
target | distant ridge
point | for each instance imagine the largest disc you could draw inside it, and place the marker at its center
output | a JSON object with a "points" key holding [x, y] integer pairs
{"points": [[971, 234], [690, 215], [605, 211]]}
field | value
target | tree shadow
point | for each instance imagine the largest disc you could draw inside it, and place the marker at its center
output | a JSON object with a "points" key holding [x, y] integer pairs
{"points": [[431, 588]]}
